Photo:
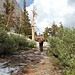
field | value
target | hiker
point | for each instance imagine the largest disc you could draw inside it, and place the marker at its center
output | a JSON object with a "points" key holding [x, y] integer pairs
{"points": [[41, 40]]}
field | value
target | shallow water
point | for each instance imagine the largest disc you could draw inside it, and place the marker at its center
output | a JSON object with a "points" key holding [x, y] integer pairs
{"points": [[7, 70]]}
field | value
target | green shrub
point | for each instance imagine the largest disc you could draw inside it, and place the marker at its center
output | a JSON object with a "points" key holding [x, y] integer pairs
{"points": [[32, 43], [55, 43], [21, 41], [8, 44], [3, 37], [63, 48]]}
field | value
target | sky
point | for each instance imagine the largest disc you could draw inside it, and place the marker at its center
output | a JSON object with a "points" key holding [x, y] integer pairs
{"points": [[51, 10], [28, 2]]}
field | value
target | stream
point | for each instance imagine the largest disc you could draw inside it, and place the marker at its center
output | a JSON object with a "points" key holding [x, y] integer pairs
{"points": [[8, 70]]}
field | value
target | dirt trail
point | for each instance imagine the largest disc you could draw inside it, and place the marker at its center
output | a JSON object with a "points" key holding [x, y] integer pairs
{"points": [[44, 67]]}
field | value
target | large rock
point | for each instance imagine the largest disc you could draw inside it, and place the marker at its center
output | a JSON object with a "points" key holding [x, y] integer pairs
{"points": [[16, 10]]}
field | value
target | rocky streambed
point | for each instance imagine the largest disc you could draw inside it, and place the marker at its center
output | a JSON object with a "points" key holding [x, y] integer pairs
{"points": [[19, 61]]}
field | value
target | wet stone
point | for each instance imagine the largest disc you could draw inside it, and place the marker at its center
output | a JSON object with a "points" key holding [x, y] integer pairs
{"points": [[37, 52]]}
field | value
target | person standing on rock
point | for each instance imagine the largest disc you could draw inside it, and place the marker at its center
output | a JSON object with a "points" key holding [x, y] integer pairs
{"points": [[41, 40]]}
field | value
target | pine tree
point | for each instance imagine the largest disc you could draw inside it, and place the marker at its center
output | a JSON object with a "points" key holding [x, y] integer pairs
{"points": [[9, 8], [6, 5], [54, 29], [2, 22], [17, 25], [47, 32], [26, 26]]}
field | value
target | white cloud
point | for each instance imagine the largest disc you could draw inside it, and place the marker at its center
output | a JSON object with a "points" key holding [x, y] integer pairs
{"points": [[49, 11], [18, 0]]}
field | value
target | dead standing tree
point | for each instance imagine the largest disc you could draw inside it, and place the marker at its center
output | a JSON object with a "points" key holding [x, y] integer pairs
{"points": [[34, 14]]}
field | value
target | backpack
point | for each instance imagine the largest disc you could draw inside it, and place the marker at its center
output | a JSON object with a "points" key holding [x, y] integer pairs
{"points": [[41, 39]]}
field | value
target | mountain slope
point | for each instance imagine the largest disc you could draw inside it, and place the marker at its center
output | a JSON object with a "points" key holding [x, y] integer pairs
{"points": [[16, 10]]}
